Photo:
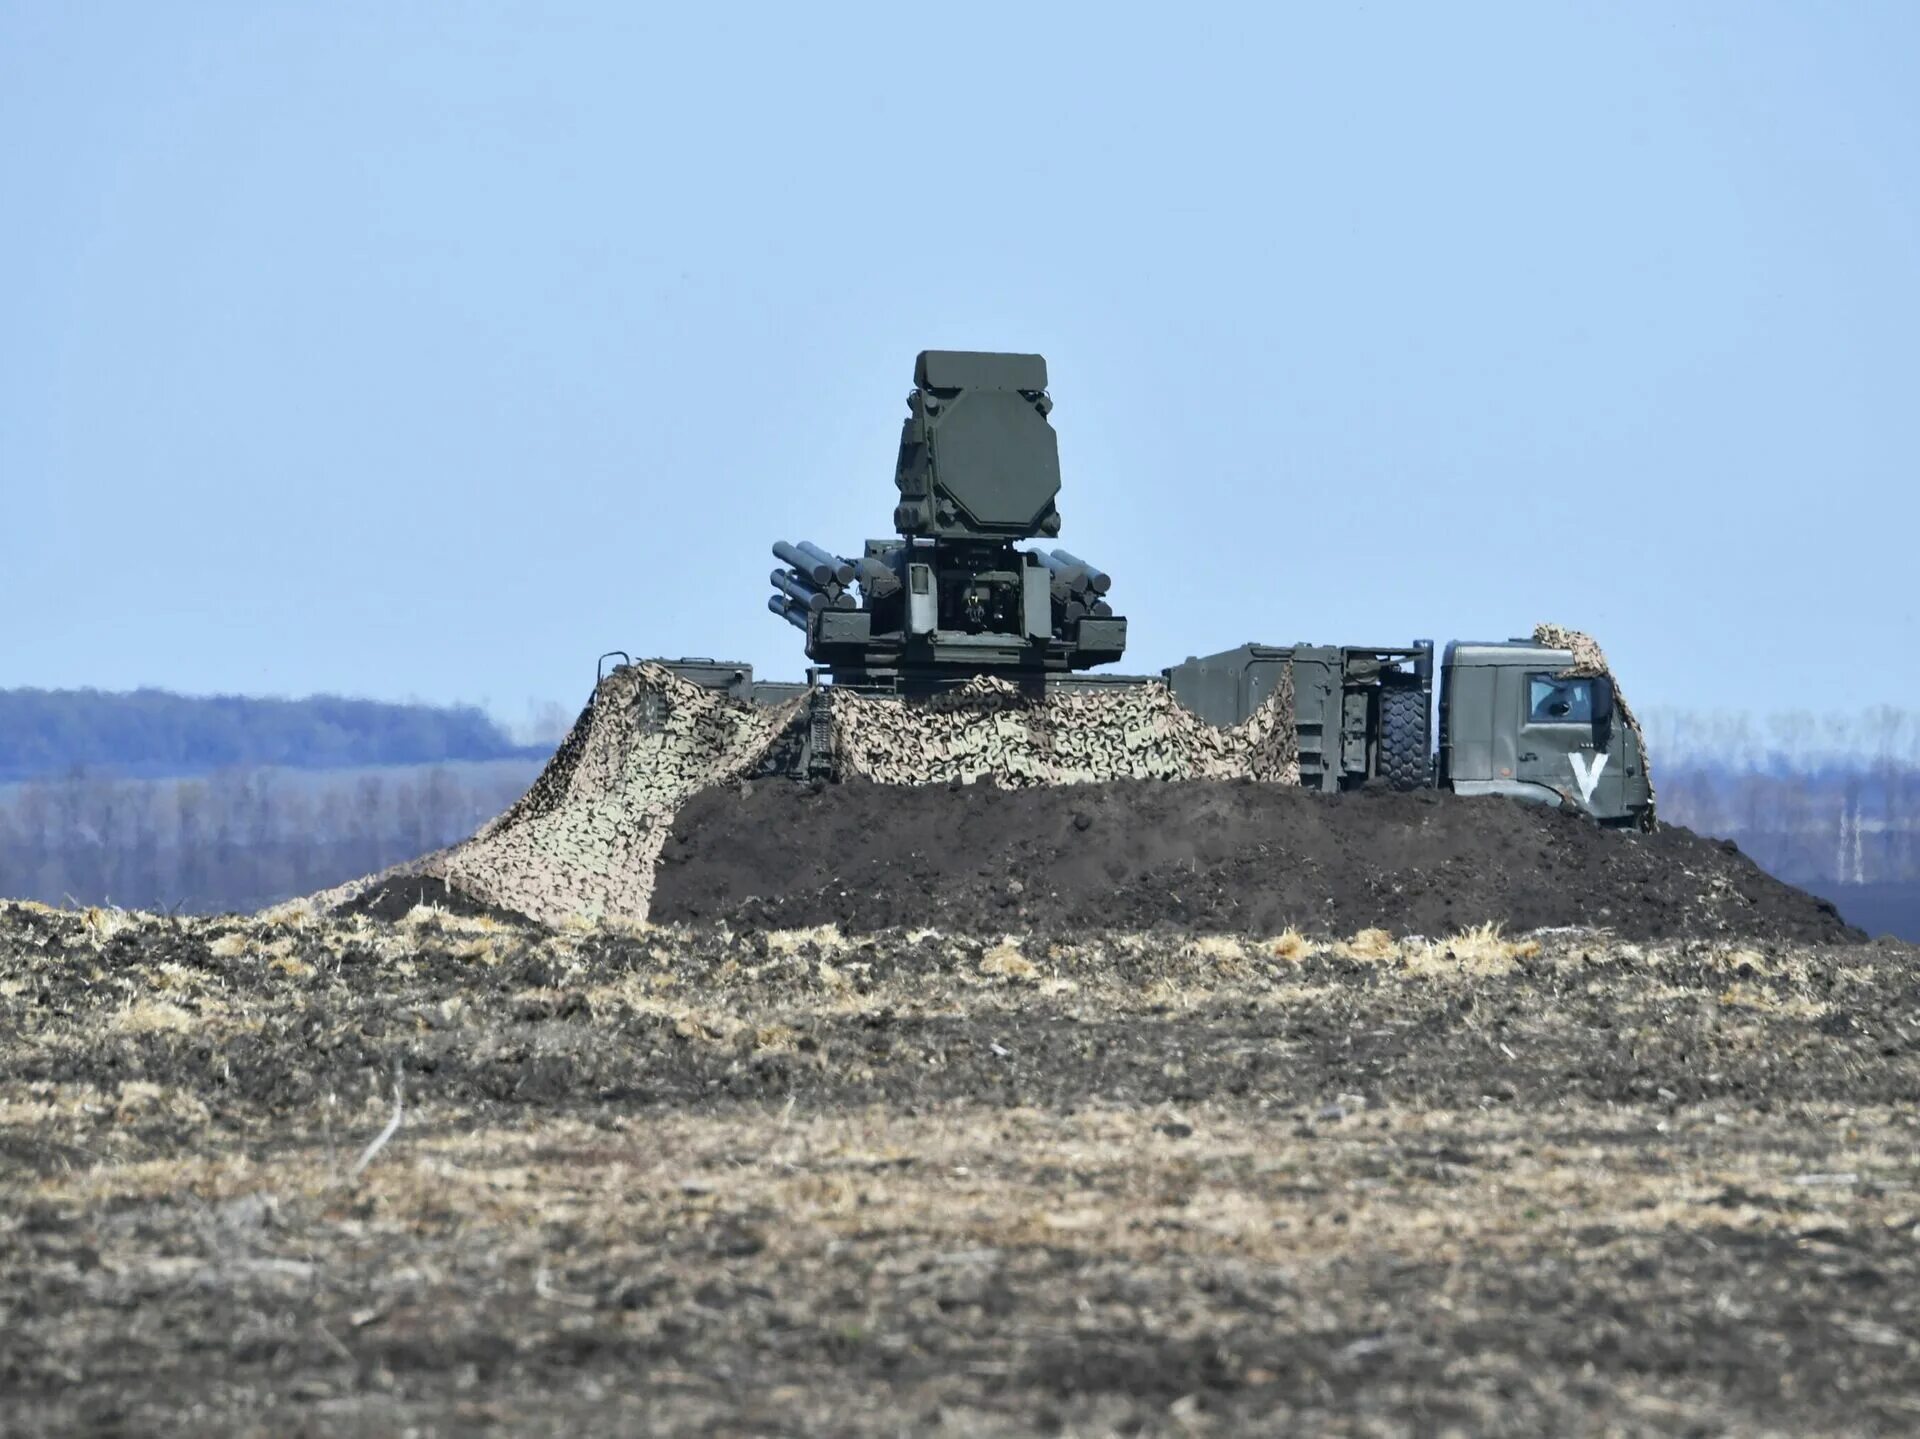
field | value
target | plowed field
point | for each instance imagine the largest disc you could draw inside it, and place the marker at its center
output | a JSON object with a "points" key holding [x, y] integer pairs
{"points": [[688, 1180]]}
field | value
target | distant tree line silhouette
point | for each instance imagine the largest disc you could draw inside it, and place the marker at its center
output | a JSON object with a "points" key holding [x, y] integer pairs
{"points": [[238, 839], [1824, 827], [153, 733], [1881, 738]]}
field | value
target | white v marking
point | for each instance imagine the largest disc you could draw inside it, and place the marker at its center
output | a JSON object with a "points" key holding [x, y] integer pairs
{"points": [[1586, 775]]}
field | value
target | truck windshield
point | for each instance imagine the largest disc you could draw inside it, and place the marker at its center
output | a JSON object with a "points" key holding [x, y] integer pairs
{"points": [[1552, 700]]}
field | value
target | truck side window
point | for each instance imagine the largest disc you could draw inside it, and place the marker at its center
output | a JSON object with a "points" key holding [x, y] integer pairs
{"points": [[1551, 700]]}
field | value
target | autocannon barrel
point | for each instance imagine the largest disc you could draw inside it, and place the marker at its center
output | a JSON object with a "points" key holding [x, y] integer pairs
{"points": [[815, 568], [838, 570], [794, 614], [876, 577], [799, 591], [1098, 580]]}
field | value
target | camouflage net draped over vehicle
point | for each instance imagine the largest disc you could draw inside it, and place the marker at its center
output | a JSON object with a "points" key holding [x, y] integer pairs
{"points": [[1590, 660], [987, 729], [584, 840]]}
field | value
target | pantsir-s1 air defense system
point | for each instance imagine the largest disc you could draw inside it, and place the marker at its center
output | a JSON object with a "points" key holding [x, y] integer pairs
{"points": [[971, 584], [954, 595]]}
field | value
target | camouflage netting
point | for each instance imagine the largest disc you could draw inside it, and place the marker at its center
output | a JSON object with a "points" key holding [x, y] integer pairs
{"points": [[988, 730], [1589, 659], [584, 840]]}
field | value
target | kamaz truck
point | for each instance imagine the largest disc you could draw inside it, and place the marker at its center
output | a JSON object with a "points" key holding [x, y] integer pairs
{"points": [[969, 584], [1515, 719]]}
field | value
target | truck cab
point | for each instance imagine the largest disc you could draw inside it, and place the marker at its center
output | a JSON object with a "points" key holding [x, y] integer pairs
{"points": [[1515, 721]]}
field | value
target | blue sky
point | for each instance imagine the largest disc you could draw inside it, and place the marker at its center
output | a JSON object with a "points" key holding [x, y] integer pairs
{"points": [[430, 350]]}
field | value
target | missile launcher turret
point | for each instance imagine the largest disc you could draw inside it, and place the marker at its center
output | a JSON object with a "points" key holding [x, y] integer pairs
{"points": [[955, 595]]}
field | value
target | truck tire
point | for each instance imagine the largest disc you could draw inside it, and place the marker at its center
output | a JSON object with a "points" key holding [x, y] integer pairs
{"points": [[1403, 738]]}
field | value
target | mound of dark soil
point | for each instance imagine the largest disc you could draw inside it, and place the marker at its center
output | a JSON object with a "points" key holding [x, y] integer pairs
{"points": [[1234, 857]]}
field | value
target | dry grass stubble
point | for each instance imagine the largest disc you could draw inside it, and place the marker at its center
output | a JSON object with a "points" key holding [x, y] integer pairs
{"points": [[810, 1182]]}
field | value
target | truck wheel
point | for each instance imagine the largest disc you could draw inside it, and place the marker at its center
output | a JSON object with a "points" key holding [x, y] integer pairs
{"points": [[1403, 738]]}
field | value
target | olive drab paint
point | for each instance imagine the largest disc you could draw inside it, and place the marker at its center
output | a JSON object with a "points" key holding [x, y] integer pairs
{"points": [[953, 598], [954, 595]]}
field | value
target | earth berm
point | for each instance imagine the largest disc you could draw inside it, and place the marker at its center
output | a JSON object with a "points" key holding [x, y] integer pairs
{"points": [[1237, 857]]}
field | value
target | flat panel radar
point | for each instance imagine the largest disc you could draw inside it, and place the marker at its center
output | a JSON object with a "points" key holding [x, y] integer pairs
{"points": [[978, 459]]}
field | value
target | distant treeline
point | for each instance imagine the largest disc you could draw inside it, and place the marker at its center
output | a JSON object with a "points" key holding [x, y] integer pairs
{"points": [[151, 733], [1882, 737], [237, 839], [1831, 826]]}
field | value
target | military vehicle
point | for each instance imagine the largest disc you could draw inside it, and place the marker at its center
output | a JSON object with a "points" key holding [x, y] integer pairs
{"points": [[953, 595], [970, 585]]}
